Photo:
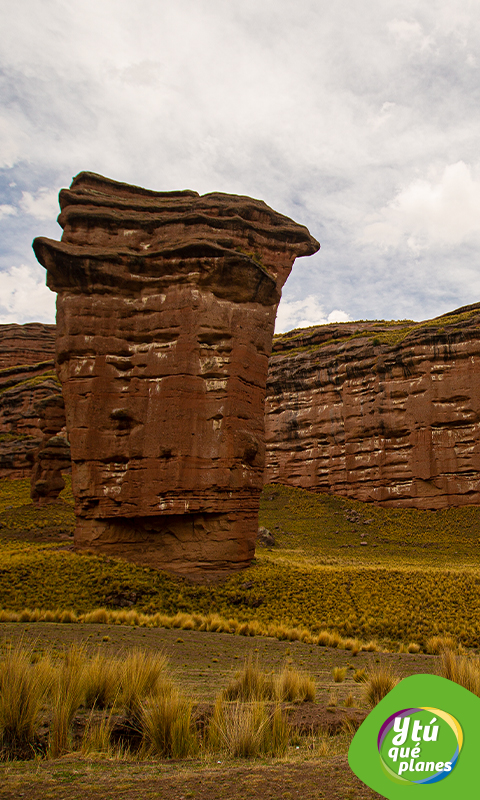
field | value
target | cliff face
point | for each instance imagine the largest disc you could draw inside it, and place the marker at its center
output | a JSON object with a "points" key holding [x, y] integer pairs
{"points": [[31, 344], [374, 411], [385, 412], [52, 457], [27, 375], [165, 313]]}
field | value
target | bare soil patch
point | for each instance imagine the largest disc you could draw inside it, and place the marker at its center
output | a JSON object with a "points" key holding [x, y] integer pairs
{"points": [[80, 779], [202, 662]]}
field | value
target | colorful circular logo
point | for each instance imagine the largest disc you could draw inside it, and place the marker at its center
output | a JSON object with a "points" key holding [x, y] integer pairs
{"points": [[419, 745]]}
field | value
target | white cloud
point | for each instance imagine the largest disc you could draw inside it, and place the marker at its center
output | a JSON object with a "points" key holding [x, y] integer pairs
{"points": [[12, 137], [338, 316], [42, 205], [7, 211], [428, 213], [304, 314], [409, 32], [328, 112], [24, 296]]}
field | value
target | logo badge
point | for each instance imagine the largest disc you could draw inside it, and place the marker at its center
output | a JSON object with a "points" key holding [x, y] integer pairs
{"points": [[423, 733], [419, 745]]}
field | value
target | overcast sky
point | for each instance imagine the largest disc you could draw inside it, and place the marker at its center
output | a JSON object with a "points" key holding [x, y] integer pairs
{"points": [[359, 119]]}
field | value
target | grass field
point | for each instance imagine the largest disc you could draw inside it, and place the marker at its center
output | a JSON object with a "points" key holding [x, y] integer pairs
{"points": [[398, 576], [204, 664], [347, 586]]}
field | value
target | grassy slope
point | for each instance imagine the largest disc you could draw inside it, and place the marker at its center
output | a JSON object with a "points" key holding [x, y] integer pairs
{"points": [[417, 575], [381, 332]]}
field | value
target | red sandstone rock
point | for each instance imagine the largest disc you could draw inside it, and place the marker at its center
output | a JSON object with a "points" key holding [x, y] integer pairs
{"points": [[27, 374], [53, 456], [303, 389], [165, 313], [31, 343], [385, 412]]}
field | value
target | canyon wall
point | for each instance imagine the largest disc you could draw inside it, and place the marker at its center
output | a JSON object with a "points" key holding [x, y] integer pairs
{"points": [[384, 412], [27, 375], [52, 456], [166, 305]]}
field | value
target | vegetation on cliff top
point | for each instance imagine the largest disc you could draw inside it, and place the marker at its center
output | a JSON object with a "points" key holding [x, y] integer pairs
{"points": [[379, 332]]}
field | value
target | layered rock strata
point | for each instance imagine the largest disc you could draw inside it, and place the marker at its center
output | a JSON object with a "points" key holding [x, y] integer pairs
{"points": [[165, 313], [385, 412], [29, 344], [52, 458], [27, 374], [309, 370]]}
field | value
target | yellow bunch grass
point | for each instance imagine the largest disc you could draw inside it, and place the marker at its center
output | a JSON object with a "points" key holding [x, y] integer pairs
{"points": [[68, 694], [142, 675], [381, 680], [247, 730], [463, 670], [339, 674], [23, 686], [167, 728], [253, 683]]}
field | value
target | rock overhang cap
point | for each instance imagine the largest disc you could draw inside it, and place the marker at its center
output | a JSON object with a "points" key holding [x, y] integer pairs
{"points": [[137, 231]]}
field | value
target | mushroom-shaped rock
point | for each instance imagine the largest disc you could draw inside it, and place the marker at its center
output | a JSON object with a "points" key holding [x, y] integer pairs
{"points": [[165, 313]]}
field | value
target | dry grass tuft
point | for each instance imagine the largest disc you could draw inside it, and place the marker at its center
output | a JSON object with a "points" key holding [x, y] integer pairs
{"points": [[252, 683], [23, 686], [97, 734], [360, 675], [463, 670], [102, 677], [339, 674], [436, 644], [354, 645], [328, 639], [381, 680], [247, 730], [142, 675], [370, 647], [167, 726], [68, 694], [413, 647], [294, 686], [98, 616]]}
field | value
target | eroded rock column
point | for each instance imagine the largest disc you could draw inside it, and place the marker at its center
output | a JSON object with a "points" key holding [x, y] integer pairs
{"points": [[165, 313]]}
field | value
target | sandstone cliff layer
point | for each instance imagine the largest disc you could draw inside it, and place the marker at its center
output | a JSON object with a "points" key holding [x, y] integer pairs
{"points": [[52, 457], [310, 442], [385, 412], [165, 313], [27, 375]]}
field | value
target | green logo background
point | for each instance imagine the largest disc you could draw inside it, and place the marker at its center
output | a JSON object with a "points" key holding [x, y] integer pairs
{"points": [[419, 691]]}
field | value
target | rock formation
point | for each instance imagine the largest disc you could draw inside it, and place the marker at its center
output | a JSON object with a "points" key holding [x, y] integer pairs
{"points": [[165, 313], [358, 409], [53, 456], [27, 374], [30, 344], [386, 412]]}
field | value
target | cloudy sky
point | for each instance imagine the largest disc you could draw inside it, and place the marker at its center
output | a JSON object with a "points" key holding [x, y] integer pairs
{"points": [[358, 119]]}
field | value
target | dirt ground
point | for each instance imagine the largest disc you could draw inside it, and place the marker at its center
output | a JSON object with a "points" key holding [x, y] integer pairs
{"points": [[74, 779], [202, 664]]}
